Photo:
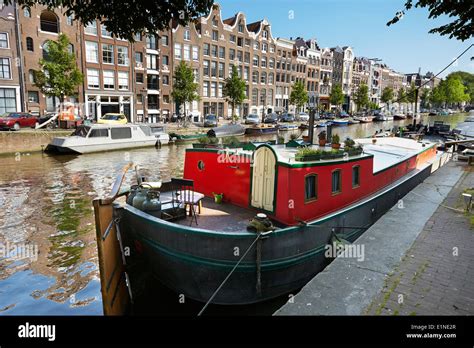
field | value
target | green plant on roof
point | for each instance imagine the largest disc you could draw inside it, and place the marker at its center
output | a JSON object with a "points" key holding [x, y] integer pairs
{"points": [[231, 141], [204, 140], [213, 140], [349, 143], [294, 136], [336, 139]]}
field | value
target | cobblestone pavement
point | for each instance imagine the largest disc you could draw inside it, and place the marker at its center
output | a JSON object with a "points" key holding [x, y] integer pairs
{"points": [[436, 275]]}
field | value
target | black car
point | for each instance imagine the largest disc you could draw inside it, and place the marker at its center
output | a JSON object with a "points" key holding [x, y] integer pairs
{"points": [[287, 118], [271, 118], [47, 117]]}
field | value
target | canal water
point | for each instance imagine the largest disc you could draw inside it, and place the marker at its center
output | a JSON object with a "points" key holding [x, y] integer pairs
{"points": [[48, 254]]}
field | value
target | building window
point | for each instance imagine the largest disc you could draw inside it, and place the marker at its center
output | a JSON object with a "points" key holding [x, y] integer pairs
{"points": [[138, 37], [232, 38], [7, 100], [140, 98], [107, 54], [214, 51], [221, 70], [195, 53], [70, 49], [215, 35], [255, 96], [33, 97], [271, 78], [355, 176], [264, 47], [152, 61], [123, 80], [151, 42], [187, 52], [271, 63], [231, 54], [139, 57], [263, 79], [4, 40], [221, 90], [27, 12], [31, 76], [241, 27], [265, 34], [109, 79], [30, 44], [311, 188], [256, 45], [49, 22], [165, 60], [152, 82], [214, 21], [263, 96], [240, 41], [5, 72], [139, 78], [177, 51], [264, 62], [206, 49], [213, 69], [213, 89], [153, 102], [164, 40], [166, 80], [69, 20], [91, 28], [104, 32], [93, 78], [255, 76], [92, 52], [247, 57], [270, 97], [246, 73], [255, 60], [205, 68], [122, 55], [187, 35], [336, 182], [205, 89]]}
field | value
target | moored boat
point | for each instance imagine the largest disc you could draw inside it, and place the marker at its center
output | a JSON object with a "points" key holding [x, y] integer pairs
{"points": [[103, 137], [364, 119], [328, 192], [288, 127], [399, 117], [262, 129], [340, 122]]}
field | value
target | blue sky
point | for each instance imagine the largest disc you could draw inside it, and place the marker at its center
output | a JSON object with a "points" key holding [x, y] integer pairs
{"points": [[405, 46]]}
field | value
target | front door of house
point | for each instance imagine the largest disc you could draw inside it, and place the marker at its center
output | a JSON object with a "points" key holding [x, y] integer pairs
{"points": [[263, 180]]}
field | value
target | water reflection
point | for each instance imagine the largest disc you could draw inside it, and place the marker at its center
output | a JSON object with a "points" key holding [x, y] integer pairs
{"points": [[46, 202]]}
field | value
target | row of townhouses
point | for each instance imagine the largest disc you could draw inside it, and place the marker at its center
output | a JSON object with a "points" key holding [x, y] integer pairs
{"points": [[137, 78]]}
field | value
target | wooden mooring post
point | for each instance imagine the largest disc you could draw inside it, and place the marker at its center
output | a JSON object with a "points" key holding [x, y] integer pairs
{"points": [[115, 290]]}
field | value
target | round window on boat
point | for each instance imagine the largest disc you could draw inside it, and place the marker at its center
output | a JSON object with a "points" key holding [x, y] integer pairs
{"points": [[201, 165]]}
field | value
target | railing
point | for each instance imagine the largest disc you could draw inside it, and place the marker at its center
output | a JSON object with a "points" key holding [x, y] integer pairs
{"points": [[49, 26]]}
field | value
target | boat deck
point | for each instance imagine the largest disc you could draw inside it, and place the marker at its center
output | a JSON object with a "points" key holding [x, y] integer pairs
{"points": [[223, 217]]}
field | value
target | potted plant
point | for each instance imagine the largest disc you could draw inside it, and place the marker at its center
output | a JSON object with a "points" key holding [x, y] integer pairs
{"points": [[280, 140], [218, 197], [336, 142], [307, 154], [213, 142], [202, 143], [322, 138]]}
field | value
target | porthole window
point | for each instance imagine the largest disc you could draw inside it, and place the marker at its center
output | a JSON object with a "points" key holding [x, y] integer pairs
{"points": [[201, 165]]}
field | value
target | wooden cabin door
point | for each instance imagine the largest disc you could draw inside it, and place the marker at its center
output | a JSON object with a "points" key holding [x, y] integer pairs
{"points": [[263, 181]]}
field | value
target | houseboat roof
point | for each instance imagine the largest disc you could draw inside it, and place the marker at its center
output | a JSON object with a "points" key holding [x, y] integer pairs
{"points": [[386, 152]]}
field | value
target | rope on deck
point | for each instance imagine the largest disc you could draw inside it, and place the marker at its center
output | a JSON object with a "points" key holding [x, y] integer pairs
{"points": [[229, 275]]}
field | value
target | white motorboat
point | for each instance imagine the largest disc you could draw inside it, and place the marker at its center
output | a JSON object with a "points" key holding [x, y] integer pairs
{"points": [[103, 137]]}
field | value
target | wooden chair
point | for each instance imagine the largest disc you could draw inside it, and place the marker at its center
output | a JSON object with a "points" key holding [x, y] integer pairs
{"points": [[183, 193]]}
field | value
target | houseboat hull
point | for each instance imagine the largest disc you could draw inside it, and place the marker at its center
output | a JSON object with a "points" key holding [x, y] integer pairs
{"points": [[261, 130], [83, 149], [195, 262]]}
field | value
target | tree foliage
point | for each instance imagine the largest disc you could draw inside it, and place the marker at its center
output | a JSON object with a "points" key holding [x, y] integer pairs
{"points": [[361, 97], [299, 95], [124, 18], [425, 97], [402, 96], [387, 95], [461, 13], [59, 75], [336, 97], [185, 89], [468, 81], [234, 89]]}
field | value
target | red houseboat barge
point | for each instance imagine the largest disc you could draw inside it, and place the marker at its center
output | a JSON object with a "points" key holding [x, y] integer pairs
{"points": [[310, 203]]}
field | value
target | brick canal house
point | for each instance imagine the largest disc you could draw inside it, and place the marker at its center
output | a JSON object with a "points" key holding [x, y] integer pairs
{"points": [[10, 73]]}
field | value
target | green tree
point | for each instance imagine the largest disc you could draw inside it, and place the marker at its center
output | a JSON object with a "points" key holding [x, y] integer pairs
{"points": [[411, 95], [438, 95], [361, 97], [402, 96], [59, 75], [234, 89], [336, 97], [461, 13], [185, 89], [467, 80], [387, 96], [298, 95], [124, 18], [425, 97], [455, 90]]}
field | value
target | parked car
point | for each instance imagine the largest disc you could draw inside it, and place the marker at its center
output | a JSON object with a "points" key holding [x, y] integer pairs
{"points": [[271, 118], [16, 120], [252, 119], [343, 114], [287, 118], [303, 117], [113, 119], [210, 121]]}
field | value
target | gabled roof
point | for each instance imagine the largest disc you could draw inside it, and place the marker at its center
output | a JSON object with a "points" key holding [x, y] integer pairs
{"points": [[255, 26]]}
